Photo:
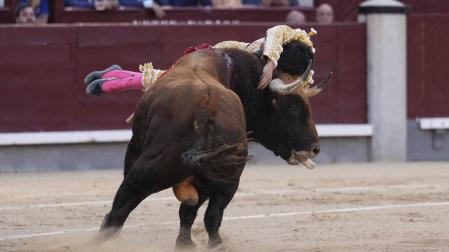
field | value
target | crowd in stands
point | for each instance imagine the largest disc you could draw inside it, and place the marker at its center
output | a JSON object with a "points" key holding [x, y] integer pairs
{"points": [[325, 14], [25, 14], [113, 4], [32, 12], [36, 11]]}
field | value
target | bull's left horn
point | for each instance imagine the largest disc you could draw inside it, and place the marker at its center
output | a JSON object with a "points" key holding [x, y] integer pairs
{"points": [[279, 86]]}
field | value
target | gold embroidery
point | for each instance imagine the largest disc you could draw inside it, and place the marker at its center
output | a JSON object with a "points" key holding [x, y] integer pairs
{"points": [[272, 48], [256, 45], [282, 34], [231, 44], [149, 74]]}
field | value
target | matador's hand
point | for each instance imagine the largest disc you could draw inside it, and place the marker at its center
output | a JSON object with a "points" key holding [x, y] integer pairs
{"points": [[267, 74]]}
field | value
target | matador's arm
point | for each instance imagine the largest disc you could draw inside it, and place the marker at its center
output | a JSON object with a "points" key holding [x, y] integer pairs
{"points": [[272, 48], [272, 43]]}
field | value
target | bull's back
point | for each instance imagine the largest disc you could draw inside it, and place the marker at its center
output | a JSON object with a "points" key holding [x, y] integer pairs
{"points": [[185, 106]]}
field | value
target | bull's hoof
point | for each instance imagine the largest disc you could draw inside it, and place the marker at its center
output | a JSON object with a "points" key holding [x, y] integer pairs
{"points": [[183, 245], [95, 75], [106, 234], [215, 242], [219, 248], [107, 229]]}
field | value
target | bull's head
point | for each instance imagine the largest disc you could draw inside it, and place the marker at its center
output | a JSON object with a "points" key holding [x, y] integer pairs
{"points": [[289, 130]]}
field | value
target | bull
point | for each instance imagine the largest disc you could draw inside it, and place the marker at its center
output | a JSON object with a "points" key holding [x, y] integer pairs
{"points": [[193, 123]]}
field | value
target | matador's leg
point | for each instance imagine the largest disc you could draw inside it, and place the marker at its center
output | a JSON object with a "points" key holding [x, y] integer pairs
{"points": [[95, 75], [113, 80]]}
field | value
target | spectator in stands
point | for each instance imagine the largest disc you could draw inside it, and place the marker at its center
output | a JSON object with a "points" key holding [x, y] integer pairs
{"points": [[277, 3], [325, 14], [295, 18], [155, 5], [80, 3], [226, 4], [250, 2], [25, 14], [190, 2], [175, 2], [100, 5], [103, 5], [40, 8]]}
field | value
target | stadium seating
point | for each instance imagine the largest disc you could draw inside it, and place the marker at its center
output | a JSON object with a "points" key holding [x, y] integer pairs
{"points": [[60, 14]]}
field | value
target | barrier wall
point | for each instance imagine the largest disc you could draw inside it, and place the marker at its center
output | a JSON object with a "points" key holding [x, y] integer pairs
{"points": [[428, 54], [6, 16], [42, 70]]}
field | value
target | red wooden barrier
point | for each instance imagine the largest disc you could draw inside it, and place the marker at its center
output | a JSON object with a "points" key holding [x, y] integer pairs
{"points": [[42, 69], [7, 16], [427, 57]]}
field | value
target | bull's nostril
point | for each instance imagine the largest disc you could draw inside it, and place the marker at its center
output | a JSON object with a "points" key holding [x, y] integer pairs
{"points": [[316, 149]]}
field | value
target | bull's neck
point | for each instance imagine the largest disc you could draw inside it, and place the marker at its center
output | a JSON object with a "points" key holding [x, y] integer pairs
{"points": [[245, 73], [256, 104]]}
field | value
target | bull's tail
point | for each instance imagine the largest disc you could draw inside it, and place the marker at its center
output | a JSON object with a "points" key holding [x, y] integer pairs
{"points": [[222, 164], [218, 154]]}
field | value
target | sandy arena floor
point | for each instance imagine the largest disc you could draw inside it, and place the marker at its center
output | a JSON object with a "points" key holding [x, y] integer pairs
{"points": [[345, 207]]}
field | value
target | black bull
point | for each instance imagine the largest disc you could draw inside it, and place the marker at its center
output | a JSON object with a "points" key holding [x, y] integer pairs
{"points": [[194, 122]]}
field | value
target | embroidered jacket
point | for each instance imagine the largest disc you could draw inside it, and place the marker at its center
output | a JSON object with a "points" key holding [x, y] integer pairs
{"points": [[271, 45]]}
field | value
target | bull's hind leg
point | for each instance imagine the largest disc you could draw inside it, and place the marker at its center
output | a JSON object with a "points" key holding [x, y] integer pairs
{"points": [[132, 154], [187, 215], [143, 179], [214, 216], [126, 199]]}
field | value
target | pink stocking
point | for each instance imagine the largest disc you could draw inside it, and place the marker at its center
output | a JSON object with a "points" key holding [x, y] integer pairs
{"points": [[120, 74], [119, 85]]}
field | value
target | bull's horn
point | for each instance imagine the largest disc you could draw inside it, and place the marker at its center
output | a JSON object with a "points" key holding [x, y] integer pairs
{"points": [[279, 86], [314, 90]]}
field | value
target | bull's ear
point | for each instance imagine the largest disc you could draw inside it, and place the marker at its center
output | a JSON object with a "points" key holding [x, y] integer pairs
{"points": [[314, 90]]}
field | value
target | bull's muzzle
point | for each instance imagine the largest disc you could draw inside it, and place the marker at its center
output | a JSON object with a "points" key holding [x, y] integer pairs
{"points": [[304, 157]]}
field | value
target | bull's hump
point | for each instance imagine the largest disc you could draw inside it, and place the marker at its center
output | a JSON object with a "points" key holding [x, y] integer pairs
{"points": [[204, 60]]}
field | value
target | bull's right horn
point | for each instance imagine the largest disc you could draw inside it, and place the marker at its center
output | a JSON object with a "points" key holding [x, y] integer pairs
{"points": [[278, 86], [314, 90]]}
